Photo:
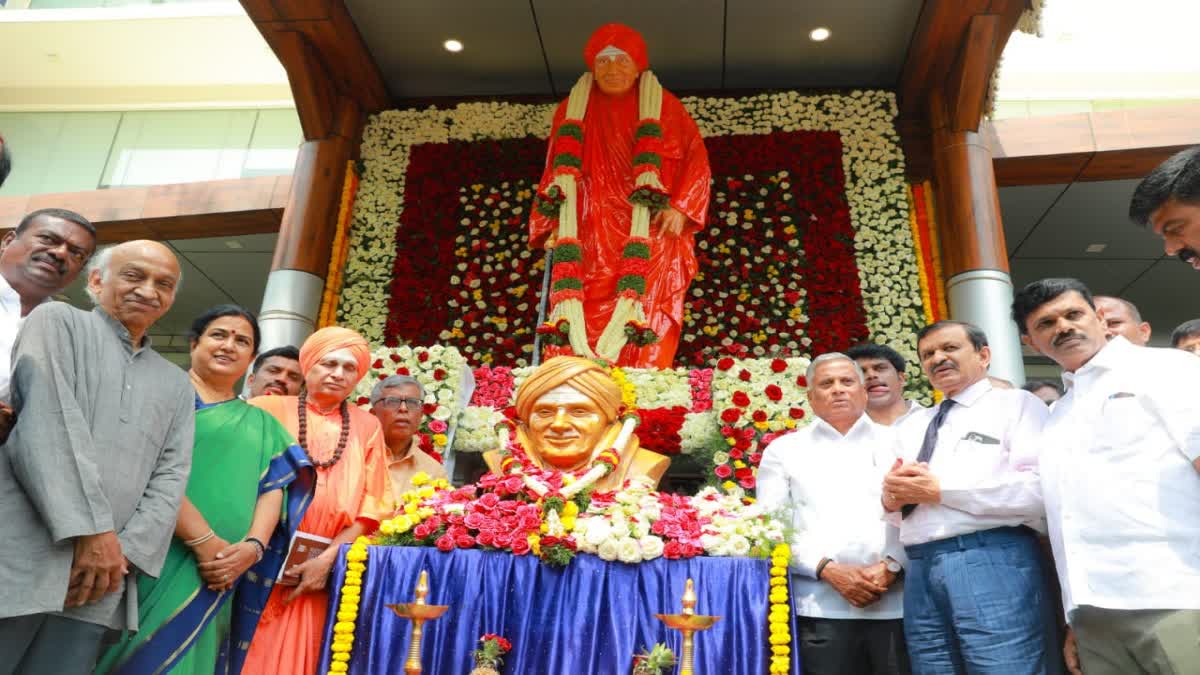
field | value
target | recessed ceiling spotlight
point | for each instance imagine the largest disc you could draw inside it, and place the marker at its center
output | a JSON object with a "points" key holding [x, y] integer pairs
{"points": [[453, 46], [819, 34], [233, 243], [1096, 248]]}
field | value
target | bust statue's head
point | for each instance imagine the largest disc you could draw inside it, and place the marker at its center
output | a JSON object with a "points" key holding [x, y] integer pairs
{"points": [[565, 408], [616, 55]]}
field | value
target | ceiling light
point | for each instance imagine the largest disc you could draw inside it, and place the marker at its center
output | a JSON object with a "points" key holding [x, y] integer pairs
{"points": [[453, 46], [1096, 248], [232, 243], [819, 34]]}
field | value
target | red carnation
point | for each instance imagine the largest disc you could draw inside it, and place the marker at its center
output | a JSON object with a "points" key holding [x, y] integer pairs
{"points": [[778, 365], [741, 399], [725, 363], [796, 413], [774, 392], [730, 415]]}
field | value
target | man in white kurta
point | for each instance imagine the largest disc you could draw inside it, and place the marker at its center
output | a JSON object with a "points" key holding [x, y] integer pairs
{"points": [[1121, 479], [846, 560]]}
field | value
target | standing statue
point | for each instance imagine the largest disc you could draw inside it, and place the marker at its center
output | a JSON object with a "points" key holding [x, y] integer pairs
{"points": [[625, 188], [568, 415]]}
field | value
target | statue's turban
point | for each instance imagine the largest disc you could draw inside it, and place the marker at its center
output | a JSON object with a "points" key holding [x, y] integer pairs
{"points": [[584, 375], [331, 339], [620, 36]]}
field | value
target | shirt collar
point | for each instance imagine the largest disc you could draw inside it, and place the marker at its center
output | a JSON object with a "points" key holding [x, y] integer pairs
{"points": [[1106, 359], [122, 332], [9, 295], [861, 426], [414, 446], [969, 396]]}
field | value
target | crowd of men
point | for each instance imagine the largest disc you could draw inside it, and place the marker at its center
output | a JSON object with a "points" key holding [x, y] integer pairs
{"points": [[921, 532]]}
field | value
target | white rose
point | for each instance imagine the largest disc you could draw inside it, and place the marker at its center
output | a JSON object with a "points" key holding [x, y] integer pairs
{"points": [[598, 531], [739, 546], [628, 550], [652, 547], [607, 550]]}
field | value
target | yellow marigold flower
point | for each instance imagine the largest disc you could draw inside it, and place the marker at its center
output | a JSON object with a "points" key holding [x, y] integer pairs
{"points": [[781, 650], [342, 616], [341, 657], [777, 640], [343, 638], [778, 580], [344, 625], [356, 567], [338, 667]]}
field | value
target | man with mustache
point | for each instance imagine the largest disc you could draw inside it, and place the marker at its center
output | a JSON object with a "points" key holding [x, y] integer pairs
{"points": [[96, 466], [883, 368], [276, 372], [38, 259], [1168, 202], [966, 496], [1121, 317], [397, 401], [846, 561], [1121, 488]]}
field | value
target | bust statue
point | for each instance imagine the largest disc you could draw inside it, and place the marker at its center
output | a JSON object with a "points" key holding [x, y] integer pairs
{"points": [[568, 412]]}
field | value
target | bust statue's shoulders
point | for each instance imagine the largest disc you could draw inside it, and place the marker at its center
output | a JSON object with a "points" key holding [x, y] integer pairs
{"points": [[492, 458], [649, 463]]}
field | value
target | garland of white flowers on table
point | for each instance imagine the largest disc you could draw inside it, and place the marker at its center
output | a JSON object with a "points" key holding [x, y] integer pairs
{"points": [[560, 201]]}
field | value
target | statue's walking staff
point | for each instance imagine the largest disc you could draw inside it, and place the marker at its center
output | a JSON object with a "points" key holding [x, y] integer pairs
{"points": [[543, 305]]}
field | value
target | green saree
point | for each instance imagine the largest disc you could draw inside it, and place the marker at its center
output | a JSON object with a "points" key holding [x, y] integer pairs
{"points": [[239, 453]]}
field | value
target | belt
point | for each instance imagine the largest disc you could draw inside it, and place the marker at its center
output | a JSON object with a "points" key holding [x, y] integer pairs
{"points": [[998, 536]]}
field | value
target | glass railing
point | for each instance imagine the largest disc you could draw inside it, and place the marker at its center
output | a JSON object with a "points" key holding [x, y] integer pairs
{"points": [[93, 4]]}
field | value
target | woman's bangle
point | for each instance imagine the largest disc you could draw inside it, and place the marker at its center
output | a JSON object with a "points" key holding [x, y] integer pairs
{"points": [[200, 540], [259, 545]]}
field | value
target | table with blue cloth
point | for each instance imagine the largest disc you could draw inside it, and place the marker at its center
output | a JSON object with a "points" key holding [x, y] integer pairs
{"points": [[589, 618]]}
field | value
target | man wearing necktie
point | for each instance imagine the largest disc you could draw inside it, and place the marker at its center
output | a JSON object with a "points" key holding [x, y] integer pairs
{"points": [[964, 491]]}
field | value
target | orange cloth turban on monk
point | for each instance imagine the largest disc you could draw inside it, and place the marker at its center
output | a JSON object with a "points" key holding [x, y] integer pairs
{"points": [[584, 375], [331, 339], [620, 36]]}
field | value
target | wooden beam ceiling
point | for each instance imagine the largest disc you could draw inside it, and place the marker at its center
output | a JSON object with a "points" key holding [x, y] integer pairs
{"points": [[222, 208], [1113, 145]]}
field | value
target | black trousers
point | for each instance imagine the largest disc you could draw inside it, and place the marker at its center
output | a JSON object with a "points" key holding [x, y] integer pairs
{"points": [[852, 646]]}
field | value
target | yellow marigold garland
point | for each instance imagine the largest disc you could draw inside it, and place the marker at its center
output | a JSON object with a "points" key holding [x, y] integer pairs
{"points": [[347, 613], [779, 619], [339, 250], [938, 278], [922, 271], [628, 391]]}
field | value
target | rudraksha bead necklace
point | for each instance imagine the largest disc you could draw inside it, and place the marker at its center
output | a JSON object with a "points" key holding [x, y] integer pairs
{"points": [[341, 445]]}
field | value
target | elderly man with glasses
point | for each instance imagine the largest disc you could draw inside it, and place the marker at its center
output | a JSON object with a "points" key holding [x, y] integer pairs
{"points": [[398, 403]]}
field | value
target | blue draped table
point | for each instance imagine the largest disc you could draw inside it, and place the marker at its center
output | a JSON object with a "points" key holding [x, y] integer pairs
{"points": [[587, 619]]}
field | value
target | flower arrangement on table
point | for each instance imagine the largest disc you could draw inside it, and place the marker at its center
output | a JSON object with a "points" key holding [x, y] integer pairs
{"points": [[489, 657], [653, 661]]}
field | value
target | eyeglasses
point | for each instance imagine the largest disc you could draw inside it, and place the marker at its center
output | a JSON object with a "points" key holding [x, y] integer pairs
{"points": [[395, 402]]}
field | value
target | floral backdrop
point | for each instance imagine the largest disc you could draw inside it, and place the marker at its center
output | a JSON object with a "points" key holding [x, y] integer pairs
{"points": [[807, 248]]}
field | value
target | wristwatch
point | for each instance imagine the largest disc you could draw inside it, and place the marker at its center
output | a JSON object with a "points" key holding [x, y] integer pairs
{"points": [[893, 566]]}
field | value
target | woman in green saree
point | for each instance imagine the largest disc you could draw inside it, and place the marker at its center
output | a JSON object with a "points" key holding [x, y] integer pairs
{"points": [[248, 488]]}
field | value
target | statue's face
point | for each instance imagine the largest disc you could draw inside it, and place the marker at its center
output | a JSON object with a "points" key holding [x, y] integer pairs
{"points": [[615, 74], [566, 426]]}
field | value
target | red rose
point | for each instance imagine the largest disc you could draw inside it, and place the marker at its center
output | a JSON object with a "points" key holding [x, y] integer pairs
{"points": [[741, 399], [378, 364], [485, 539], [802, 381], [439, 374], [725, 363], [774, 392], [394, 357], [464, 541], [743, 444], [796, 413], [445, 543], [743, 473], [736, 453], [756, 458], [549, 540], [489, 501], [520, 546], [423, 530], [730, 415], [759, 416], [363, 400], [778, 365], [748, 483], [744, 375], [422, 356], [402, 371], [723, 471], [674, 550], [429, 408], [474, 521]]}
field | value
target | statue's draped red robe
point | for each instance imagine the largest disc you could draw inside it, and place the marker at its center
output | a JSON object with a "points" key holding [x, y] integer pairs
{"points": [[605, 214]]}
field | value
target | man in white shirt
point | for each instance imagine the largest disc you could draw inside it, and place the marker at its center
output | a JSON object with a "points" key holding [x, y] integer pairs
{"points": [[968, 502], [1121, 484], [42, 256], [845, 558], [884, 369]]}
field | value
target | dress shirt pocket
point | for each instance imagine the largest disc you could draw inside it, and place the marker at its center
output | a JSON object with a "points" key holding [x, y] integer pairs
{"points": [[1124, 422]]}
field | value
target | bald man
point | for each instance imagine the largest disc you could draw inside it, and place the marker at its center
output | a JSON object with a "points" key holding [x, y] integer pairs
{"points": [[1121, 317], [97, 463]]}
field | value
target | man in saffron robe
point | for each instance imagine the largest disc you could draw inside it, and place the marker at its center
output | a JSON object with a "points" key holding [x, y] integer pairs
{"points": [[616, 54], [346, 446]]}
